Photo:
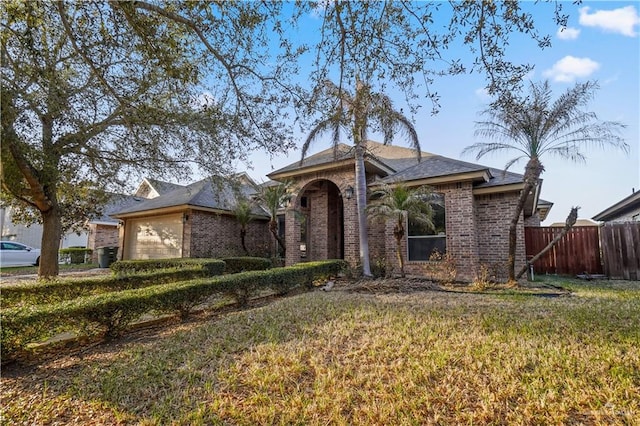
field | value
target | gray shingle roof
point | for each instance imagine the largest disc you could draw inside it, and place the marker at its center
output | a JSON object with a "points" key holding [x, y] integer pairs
{"points": [[163, 187], [395, 157], [209, 193], [116, 203], [404, 162]]}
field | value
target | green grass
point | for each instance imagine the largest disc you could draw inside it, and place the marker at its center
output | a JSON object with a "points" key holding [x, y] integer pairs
{"points": [[362, 359]]}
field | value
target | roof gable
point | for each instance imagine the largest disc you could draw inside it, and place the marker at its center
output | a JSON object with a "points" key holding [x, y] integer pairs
{"points": [[387, 158], [152, 188]]}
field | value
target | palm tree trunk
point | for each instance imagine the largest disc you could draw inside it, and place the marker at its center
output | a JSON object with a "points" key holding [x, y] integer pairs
{"points": [[361, 196], [571, 220], [532, 173], [398, 232], [243, 235], [273, 227]]}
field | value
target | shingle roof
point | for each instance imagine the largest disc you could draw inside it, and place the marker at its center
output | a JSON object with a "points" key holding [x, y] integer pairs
{"points": [[209, 193], [405, 163], [116, 203], [163, 187], [395, 157]]}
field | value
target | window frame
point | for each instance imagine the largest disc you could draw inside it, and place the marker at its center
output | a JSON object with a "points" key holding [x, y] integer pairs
{"points": [[436, 236]]}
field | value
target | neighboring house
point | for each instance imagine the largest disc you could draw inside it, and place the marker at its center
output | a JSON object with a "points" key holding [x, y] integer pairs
{"points": [[196, 220], [31, 235], [472, 227], [625, 210]]}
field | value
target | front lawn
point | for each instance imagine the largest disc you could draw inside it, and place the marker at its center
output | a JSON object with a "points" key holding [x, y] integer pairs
{"points": [[342, 357]]}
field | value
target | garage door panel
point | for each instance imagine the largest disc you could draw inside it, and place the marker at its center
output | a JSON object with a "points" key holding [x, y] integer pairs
{"points": [[156, 238]]}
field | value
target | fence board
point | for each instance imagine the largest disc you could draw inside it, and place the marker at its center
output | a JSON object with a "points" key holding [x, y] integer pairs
{"points": [[577, 252], [621, 250]]}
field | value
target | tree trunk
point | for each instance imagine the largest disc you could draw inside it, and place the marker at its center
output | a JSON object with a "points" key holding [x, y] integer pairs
{"points": [[50, 243], [532, 173], [571, 220], [398, 232], [273, 227], [243, 234], [361, 196]]}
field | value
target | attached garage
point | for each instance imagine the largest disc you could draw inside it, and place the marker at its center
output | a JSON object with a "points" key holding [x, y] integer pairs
{"points": [[157, 237]]}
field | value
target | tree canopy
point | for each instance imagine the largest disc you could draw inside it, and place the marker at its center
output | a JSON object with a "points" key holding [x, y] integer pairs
{"points": [[95, 92]]}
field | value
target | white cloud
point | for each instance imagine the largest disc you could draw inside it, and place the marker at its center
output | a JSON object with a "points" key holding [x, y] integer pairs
{"points": [[483, 94], [567, 33], [622, 20], [569, 68]]}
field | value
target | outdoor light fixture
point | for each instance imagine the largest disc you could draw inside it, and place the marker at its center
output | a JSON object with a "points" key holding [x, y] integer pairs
{"points": [[348, 192]]}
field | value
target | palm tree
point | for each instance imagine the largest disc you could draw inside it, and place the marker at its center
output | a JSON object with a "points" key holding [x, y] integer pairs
{"points": [[396, 202], [354, 114], [534, 126], [274, 197], [243, 213]]}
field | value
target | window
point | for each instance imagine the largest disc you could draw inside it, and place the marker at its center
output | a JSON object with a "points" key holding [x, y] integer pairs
{"points": [[423, 241]]}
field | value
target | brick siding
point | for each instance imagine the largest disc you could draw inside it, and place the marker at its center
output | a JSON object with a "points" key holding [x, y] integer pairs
{"points": [[101, 236], [209, 234]]}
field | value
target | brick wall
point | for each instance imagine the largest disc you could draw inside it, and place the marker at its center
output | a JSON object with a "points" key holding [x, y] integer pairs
{"points": [[217, 235], [533, 220], [494, 213], [102, 236]]}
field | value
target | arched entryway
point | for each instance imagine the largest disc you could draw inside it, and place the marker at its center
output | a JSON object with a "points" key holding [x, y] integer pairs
{"points": [[320, 214]]}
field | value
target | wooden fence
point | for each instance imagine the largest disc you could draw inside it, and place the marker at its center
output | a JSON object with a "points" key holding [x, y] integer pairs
{"points": [[621, 250], [612, 249], [578, 252]]}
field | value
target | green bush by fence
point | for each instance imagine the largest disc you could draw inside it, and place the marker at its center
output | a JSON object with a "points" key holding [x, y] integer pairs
{"points": [[112, 313]]}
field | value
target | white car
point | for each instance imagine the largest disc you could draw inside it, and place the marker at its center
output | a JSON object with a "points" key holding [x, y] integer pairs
{"points": [[17, 254]]}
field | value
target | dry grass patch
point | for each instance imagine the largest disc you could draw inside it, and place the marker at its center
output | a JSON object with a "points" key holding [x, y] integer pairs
{"points": [[339, 357]]}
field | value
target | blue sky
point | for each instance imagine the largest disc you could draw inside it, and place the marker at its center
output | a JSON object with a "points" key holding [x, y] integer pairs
{"points": [[602, 43]]}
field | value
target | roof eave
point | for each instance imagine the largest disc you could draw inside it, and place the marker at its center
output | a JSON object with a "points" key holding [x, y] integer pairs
{"points": [[177, 209], [618, 207], [475, 176]]}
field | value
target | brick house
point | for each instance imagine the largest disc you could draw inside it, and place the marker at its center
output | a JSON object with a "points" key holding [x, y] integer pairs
{"points": [[320, 221], [196, 220], [478, 202]]}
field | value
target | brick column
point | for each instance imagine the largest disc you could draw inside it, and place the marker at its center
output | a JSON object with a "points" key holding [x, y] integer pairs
{"points": [[292, 236]]}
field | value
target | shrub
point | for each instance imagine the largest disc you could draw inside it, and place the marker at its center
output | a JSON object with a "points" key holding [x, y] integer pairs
{"points": [[66, 289], [246, 263], [75, 255], [113, 312], [212, 266]]}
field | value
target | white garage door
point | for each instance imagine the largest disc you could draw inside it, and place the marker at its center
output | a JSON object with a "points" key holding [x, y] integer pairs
{"points": [[155, 238]]}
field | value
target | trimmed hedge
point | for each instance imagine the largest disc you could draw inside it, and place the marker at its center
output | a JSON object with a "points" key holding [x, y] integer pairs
{"points": [[113, 312], [60, 290], [246, 263], [213, 266], [75, 255]]}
